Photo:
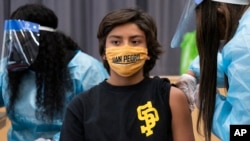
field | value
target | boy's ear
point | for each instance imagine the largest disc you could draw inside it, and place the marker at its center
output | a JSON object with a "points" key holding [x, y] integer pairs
{"points": [[148, 58]]}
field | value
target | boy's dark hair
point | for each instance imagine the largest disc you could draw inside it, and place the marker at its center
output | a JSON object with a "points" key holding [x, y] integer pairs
{"points": [[143, 20]]}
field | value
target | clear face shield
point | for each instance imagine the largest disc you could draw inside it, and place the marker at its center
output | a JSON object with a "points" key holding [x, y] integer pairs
{"points": [[20, 44], [187, 21]]}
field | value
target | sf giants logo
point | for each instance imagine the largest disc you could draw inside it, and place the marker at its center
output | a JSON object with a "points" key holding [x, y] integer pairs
{"points": [[150, 115]]}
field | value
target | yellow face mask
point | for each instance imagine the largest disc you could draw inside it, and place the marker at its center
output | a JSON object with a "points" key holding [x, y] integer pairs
{"points": [[126, 60]]}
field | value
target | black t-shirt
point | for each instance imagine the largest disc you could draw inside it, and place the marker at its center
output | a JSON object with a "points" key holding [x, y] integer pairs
{"points": [[138, 112]]}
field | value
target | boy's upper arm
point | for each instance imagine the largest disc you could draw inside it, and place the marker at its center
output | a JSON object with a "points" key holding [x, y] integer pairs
{"points": [[181, 116]]}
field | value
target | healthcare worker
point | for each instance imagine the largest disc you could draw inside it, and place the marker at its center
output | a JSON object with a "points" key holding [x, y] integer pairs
{"points": [[41, 70], [217, 20]]}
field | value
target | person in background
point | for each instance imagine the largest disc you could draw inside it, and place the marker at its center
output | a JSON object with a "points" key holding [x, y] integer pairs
{"points": [[129, 105], [218, 20], [41, 70]]}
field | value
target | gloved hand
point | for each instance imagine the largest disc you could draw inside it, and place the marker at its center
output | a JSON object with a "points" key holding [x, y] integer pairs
{"points": [[187, 83], [42, 139], [196, 96]]}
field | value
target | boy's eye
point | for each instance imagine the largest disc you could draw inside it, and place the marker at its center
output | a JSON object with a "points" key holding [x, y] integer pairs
{"points": [[115, 42], [136, 42]]}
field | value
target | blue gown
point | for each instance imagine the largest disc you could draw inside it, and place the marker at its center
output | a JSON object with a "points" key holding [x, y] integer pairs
{"points": [[235, 63], [85, 72]]}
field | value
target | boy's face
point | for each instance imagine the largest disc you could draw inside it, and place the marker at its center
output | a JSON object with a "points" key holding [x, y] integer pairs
{"points": [[126, 50], [126, 35]]}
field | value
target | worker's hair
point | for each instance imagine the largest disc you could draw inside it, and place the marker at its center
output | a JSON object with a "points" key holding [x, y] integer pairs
{"points": [[50, 67], [213, 25]]}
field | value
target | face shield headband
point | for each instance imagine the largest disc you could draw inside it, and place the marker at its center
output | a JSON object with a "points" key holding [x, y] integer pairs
{"points": [[240, 2], [20, 44], [187, 21]]}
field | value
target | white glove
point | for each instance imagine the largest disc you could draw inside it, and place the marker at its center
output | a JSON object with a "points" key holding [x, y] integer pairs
{"points": [[187, 83], [196, 96], [42, 139]]}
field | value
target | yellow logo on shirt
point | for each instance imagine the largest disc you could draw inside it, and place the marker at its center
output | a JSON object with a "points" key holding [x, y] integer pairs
{"points": [[150, 115]]}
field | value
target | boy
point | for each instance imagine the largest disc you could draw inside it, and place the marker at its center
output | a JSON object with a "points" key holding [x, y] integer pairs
{"points": [[129, 106]]}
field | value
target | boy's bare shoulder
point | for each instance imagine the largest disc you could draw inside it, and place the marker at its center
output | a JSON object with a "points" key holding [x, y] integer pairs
{"points": [[177, 97]]}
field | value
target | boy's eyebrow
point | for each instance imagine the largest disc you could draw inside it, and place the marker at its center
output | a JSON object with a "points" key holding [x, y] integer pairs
{"points": [[134, 36], [137, 36], [114, 36]]}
